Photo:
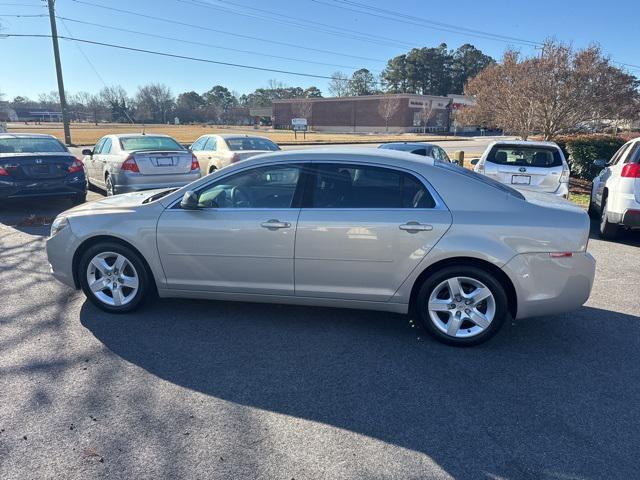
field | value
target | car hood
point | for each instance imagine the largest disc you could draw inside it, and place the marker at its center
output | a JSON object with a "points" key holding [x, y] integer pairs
{"points": [[117, 202]]}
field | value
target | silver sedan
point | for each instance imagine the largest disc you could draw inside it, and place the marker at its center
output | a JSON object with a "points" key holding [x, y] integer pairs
{"points": [[133, 162], [356, 228]]}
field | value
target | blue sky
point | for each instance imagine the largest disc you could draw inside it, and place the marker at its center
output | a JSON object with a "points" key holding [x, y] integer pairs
{"points": [[27, 68]]}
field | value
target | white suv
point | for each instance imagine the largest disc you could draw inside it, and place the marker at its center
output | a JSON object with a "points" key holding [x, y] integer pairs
{"points": [[538, 166], [615, 194]]}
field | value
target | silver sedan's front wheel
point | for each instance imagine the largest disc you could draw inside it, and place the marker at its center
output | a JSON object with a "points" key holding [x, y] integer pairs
{"points": [[462, 305], [113, 277]]}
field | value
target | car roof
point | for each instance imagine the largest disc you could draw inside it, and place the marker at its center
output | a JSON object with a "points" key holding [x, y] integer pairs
{"points": [[26, 135], [240, 135], [136, 135], [409, 144], [384, 157], [527, 143]]}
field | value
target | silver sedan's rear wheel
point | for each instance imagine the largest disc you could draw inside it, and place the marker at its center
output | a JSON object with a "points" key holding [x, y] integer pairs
{"points": [[462, 305], [113, 277]]}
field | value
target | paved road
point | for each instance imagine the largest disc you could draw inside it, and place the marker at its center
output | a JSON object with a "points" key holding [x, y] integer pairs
{"points": [[195, 389]]}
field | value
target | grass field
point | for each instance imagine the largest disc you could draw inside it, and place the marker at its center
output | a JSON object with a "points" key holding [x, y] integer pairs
{"points": [[88, 134]]}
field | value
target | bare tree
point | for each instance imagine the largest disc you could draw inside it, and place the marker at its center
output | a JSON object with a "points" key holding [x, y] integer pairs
{"points": [[339, 84], [118, 102], [558, 92], [387, 108], [426, 113], [303, 109], [154, 102]]}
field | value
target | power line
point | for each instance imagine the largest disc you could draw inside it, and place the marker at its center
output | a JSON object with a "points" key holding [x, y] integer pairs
{"points": [[203, 44], [297, 22], [260, 39], [171, 55], [421, 22]]}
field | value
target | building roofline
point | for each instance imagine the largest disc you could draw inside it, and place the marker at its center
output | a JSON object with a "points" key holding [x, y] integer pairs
{"points": [[361, 97]]}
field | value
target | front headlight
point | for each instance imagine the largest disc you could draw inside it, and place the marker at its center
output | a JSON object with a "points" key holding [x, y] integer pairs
{"points": [[58, 224]]}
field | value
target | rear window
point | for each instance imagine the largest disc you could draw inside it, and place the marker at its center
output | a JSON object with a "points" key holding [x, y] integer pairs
{"points": [[251, 143], [149, 142], [525, 156], [480, 178], [31, 145]]}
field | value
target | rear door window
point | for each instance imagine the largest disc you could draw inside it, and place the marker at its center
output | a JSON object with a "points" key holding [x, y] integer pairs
{"points": [[106, 147], [525, 156], [363, 186], [211, 145]]}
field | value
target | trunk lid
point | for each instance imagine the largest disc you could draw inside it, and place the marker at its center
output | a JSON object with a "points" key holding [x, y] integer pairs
{"points": [[163, 162], [543, 179], [36, 166]]}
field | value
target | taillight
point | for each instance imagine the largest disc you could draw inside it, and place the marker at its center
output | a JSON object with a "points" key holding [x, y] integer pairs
{"points": [[130, 165], [235, 157], [631, 170], [194, 163], [76, 166], [3, 172], [564, 178], [560, 254]]}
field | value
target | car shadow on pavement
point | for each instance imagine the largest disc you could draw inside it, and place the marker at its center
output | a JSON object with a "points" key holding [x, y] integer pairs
{"points": [[32, 215], [624, 237], [544, 399]]}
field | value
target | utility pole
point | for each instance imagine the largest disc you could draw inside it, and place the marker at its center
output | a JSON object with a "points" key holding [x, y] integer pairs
{"points": [[56, 55]]}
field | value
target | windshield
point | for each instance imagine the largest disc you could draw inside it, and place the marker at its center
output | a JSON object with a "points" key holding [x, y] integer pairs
{"points": [[480, 178], [251, 143], [525, 156], [149, 142], [31, 145]]}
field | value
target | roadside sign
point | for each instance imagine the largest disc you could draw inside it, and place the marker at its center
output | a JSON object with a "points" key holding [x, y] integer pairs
{"points": [[299, 124]]}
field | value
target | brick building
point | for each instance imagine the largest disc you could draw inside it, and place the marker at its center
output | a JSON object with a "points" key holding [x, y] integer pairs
{"points": [[363, 114]]}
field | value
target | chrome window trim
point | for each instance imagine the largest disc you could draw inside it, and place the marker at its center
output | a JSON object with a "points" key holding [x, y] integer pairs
{"points": [[439, 202]]}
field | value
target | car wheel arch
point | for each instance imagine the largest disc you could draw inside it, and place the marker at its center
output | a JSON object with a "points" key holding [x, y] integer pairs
{"points": [[89, 242], [485, 265]]}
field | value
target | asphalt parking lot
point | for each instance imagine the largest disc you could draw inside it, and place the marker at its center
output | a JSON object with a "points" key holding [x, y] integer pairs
{"points": [[197, 389]]}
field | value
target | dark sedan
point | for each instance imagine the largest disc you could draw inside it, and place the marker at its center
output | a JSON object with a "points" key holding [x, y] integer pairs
{"points": [[419, 148], [37, 166]]}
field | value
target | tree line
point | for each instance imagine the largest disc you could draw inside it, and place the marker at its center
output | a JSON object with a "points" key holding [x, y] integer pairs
{"points": [[436, 71]]}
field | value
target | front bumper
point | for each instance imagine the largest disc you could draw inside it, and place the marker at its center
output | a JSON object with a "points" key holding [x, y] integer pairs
{"points": [[67, 186], [545, 285], [126, 183], [60, 249]]}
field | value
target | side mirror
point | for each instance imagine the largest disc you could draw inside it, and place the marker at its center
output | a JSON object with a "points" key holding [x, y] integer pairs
{"points": [[600, 163], [475, 161], [189, 200], [87, 152], [455, 162]]}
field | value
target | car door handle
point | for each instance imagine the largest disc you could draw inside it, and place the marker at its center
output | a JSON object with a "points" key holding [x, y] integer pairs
{"points": [[413, 227], [274, 224]]}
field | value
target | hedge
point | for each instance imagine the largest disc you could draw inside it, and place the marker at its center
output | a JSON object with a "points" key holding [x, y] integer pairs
{"points": [[582, 150]]}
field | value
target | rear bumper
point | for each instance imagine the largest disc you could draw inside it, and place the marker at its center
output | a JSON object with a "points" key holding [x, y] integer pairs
{"points": [[125, 183], [547, 286], [625, 210], [68, 186]]}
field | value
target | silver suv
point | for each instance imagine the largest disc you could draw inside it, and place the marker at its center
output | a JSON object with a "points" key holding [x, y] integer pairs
{"points": [[538, 166]]}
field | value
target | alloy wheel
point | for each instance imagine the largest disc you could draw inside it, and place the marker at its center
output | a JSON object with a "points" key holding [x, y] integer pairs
{"points": [[109, 186], [461, 307], [112, 279]]}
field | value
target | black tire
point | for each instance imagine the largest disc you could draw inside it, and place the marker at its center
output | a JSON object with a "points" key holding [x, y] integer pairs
{"points": [[108, 186], [79, 198], [145, 285], [607, 230], [496, 288]]}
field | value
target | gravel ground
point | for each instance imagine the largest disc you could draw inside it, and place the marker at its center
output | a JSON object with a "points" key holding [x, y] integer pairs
{"points": [[195, 389]]}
